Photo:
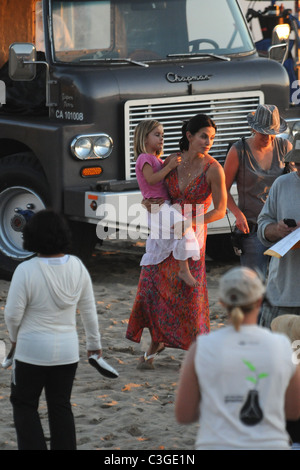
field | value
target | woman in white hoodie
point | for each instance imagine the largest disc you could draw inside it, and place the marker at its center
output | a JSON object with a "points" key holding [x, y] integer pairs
{"points": [[40, 315]]}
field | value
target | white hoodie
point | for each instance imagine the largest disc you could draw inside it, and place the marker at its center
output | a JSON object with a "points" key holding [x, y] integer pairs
{"points": [[40, 311]]}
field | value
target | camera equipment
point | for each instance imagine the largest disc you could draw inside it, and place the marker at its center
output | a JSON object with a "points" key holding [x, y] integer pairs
{"points": [[236, 240]]}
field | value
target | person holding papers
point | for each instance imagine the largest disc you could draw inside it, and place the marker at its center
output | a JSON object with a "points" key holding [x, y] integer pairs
{"points": [[283, 293]]}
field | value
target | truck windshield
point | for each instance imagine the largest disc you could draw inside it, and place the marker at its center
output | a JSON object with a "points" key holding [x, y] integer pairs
{"points": [[139, 30]]}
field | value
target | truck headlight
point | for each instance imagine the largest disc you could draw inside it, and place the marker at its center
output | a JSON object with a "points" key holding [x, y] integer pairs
{"points": [[82, 148], [103, 146], [92, 146]]}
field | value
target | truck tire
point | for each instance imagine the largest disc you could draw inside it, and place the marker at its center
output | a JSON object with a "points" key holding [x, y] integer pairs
{"points": [[219, 248], [23, 191]]}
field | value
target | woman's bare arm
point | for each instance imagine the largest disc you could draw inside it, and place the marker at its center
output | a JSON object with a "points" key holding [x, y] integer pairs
{"points": [[216, 179], [188, 393]]}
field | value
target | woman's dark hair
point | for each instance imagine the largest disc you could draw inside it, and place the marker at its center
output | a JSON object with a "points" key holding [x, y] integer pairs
{"points": [[47, 233], [193, 126]]}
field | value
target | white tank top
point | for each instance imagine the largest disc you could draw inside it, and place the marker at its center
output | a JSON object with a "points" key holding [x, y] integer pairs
{"points": [[243, 377]]}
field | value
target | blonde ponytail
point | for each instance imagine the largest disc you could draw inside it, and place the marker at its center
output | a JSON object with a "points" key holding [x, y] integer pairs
{"points": [[237, 317]]}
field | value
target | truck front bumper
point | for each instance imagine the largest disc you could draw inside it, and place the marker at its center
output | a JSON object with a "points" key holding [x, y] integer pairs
{"points": [[122, 211]]}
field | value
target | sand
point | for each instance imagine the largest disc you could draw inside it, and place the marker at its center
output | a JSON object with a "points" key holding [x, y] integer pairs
{"points": [[136, 410]]}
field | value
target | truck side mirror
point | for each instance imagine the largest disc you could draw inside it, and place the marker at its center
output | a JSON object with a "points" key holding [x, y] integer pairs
{"points": [[280, 43], [21, 61]]}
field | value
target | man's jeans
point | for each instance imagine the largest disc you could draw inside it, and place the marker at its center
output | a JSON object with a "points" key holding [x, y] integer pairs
{"points": [[253, 254]]}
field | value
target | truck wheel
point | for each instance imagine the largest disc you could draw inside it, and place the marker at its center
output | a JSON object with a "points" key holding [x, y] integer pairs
{"points": [[219, 248], [23, 191]]}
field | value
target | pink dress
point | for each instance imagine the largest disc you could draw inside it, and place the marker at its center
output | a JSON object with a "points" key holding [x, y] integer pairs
{"points": [[174, 312]]}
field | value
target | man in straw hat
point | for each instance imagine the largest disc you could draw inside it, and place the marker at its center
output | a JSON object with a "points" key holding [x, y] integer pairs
{"points": [[254, 164], [267, 120], [239, 381], [283, 290]]}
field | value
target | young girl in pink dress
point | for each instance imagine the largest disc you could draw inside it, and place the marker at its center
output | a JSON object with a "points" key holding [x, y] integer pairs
{"points": [[170, 232], [173, 312]]}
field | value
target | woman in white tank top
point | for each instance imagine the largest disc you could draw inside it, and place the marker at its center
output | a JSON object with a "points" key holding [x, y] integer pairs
{"points": [[239, 382]]}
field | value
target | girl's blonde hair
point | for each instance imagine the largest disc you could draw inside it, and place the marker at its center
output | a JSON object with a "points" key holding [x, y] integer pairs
{"points": [[140, 134]]}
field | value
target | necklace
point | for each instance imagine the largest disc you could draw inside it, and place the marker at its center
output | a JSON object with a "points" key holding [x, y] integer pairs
{"points": [[189, 170]]}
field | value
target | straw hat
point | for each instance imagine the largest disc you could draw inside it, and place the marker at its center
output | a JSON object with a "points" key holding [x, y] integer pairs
{"points": [[266, 120], [294, 154], [240, 286]]}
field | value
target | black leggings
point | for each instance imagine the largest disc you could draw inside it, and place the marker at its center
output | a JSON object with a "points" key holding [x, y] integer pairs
{"points": [[26, 388]]}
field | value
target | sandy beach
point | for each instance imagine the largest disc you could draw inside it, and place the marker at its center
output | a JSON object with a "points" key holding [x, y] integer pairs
{"points": [[136, 410]]}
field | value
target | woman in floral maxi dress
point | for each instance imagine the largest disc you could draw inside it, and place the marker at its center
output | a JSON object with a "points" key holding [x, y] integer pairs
{"points": [[173, 312]]}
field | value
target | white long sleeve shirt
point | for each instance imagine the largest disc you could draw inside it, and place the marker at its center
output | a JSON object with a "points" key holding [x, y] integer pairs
{"points": [[41, 310]]}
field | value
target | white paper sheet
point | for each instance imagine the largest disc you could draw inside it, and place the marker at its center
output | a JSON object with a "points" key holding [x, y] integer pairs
{"points": [[283, 246]]}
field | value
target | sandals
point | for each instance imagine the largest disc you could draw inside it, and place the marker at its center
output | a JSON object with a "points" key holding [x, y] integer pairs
{"points": [[145, 364]]}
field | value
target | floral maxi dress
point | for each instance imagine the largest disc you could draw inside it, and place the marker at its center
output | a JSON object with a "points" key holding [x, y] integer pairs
{"points": [[173, 312]]}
